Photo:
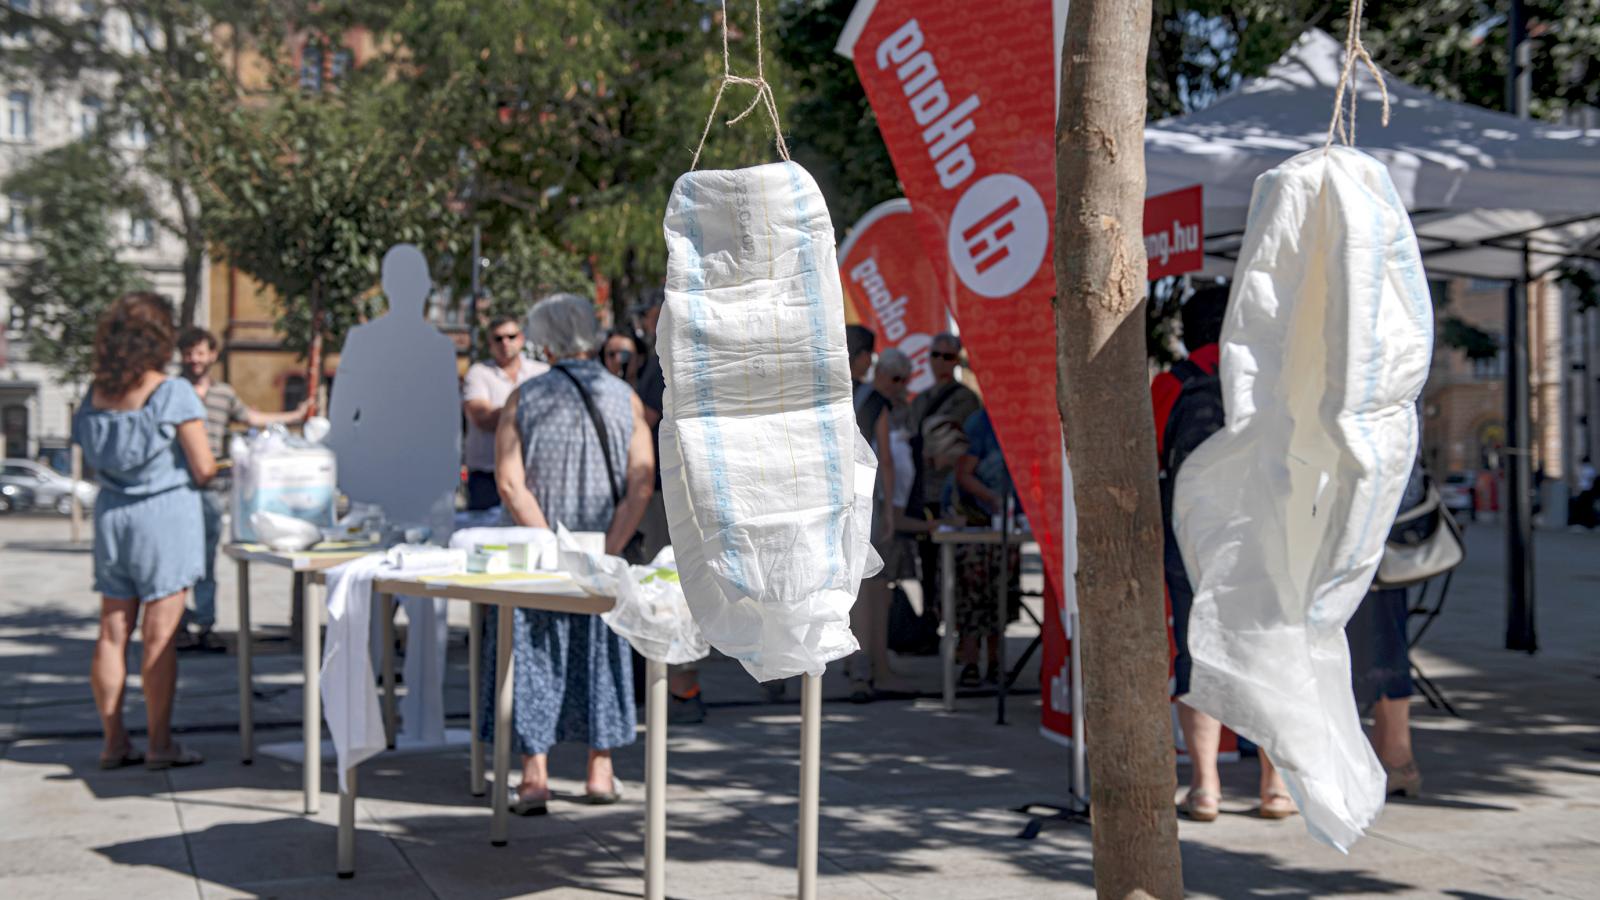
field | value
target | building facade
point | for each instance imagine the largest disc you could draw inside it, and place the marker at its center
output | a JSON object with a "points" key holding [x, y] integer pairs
{"points": [[1463, 409], [35, 401]]}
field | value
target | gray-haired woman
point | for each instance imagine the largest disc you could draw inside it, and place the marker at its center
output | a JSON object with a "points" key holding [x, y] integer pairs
{"points": [[572, 448], [875, 402]]}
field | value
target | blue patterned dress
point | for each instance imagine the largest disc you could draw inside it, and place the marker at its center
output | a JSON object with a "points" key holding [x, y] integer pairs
{"points": [[572, 676]]}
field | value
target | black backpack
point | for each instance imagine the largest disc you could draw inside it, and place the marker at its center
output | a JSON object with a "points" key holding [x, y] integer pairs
{"points": [[1197, 414]]}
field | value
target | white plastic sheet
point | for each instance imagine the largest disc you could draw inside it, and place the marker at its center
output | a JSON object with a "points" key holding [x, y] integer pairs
{"points": [[649, 612], [767, 481], [1282, 515]]}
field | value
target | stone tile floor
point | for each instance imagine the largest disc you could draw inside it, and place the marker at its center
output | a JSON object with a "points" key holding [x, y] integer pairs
{"points": [[917, 803]]}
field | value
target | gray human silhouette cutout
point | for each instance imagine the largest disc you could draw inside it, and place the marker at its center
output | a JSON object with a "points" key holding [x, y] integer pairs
{"points": [[395, 412]]}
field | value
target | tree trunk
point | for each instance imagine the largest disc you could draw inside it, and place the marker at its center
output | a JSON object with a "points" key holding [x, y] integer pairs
{"points": [[1105, 404], [194, 254], [314, 375]]}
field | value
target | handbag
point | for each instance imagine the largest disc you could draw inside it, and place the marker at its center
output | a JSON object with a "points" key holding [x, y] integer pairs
{"points": [[633, 552], [1424, 543]]}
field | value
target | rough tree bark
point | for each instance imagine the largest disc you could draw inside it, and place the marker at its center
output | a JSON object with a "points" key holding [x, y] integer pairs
{"points": [[1105, 408]]}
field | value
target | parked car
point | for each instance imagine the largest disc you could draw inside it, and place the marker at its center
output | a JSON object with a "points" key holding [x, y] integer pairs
{"points": [[1459, 494], [51, 489], [15, 498]]}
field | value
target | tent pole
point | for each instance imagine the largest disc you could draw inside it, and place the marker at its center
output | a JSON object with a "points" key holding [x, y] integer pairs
{"points": [[1519, 426], [1520, 632]]}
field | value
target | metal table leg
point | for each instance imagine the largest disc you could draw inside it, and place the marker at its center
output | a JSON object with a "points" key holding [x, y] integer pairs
{"points": [[1080, 767], [347, 825], [243, 648], [474, 673], [810, 781], [655, 781], [311, 648], [505, 616], [947, 605], [386, 610]]}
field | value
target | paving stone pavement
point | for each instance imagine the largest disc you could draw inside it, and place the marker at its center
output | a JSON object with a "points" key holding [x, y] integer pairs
{"points": [[917, 803]]}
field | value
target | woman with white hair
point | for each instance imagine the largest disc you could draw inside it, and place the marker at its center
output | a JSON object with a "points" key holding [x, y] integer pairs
{"points": [[572, 448], [876, 401]]}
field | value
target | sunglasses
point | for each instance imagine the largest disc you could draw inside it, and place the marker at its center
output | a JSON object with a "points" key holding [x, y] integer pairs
{"points": [[952, 357], [507, 338], [896, 379]]}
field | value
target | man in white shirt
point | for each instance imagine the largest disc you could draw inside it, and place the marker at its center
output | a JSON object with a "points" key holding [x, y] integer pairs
{"points": [[483, 394]]}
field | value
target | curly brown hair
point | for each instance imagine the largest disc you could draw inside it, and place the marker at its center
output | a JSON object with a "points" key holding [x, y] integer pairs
{"points": [[135, 336]]}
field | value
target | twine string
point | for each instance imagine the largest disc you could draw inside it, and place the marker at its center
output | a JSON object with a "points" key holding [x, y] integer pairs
{"points": [[1354, 51], [763, 98]]}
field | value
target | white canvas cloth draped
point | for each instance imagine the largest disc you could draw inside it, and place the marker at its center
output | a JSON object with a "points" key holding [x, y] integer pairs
{"points": [[349, 694], [1473, 178]]}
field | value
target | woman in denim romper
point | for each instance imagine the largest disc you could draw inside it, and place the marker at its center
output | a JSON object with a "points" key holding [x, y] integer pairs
{"points": [[145, 435]]}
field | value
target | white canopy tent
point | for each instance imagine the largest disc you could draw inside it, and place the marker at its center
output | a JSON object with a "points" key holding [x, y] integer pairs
{"points": [[1479, 184]]}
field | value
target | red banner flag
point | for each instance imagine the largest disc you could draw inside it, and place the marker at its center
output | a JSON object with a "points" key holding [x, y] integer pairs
{"points": [[965, 100], [893, 285], [1174, 232]]}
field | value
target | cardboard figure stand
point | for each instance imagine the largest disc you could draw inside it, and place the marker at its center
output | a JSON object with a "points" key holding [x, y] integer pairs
{"points": [[396, 431], [395, 412]]}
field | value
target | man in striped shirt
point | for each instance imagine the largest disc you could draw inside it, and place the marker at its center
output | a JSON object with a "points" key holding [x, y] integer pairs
{"points": [[224, 409]]}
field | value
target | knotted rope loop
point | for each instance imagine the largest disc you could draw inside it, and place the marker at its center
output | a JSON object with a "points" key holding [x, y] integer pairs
{"points": [[763, 97], [1354, 50]]}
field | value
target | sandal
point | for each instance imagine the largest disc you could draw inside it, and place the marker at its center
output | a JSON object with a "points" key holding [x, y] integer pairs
{"points": [[528, 806], [1277, 805], [128, 757], [589, 798], [1201, 805], [176, 757], [860, 691], [1403, 781]]}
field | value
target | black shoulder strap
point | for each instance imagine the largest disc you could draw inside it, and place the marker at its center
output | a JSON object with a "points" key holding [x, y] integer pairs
{"points": [[1185, 369], [937, 402], [599, 430]]}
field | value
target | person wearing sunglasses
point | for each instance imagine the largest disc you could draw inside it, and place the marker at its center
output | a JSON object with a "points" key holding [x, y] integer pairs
{"points": [[953, 401], [483, 393], [620, 355]]}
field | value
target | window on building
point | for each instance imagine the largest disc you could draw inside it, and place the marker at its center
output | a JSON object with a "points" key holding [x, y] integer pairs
{"points": [[1485, 284], [89, 109], [1490, 368], [136, 137], [22, 33], [311, 68], [294, 391], [141, 232], [340, 65], [19, 116], [14, 223], [139, 33], [93, 21]]}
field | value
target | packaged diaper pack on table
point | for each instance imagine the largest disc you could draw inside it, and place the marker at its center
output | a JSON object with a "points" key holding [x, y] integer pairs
{"points": [[275, 472], [767, 481]]}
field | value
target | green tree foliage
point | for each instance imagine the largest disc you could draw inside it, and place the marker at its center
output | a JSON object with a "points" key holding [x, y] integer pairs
{"points": [[158, 47], [305, 190], [74, 273], [574, 121], [835, 133]]}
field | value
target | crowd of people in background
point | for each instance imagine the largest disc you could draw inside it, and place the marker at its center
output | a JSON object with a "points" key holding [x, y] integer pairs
{"points": [[574, 438]]}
